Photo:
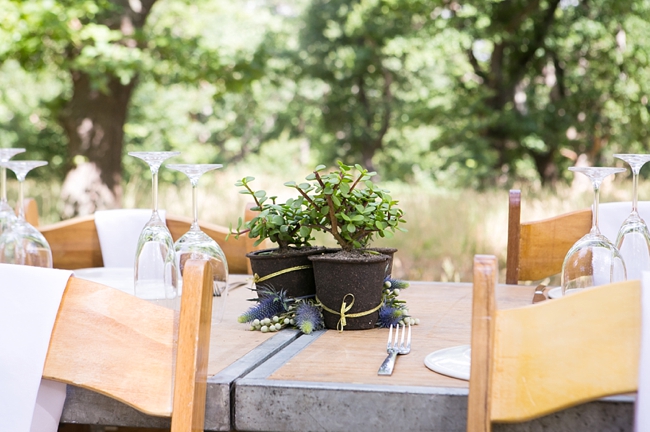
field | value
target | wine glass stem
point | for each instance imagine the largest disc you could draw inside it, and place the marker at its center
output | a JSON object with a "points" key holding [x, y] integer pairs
{"points": [[154, 188], [195, 207], [635, 184], [3, 184], [594, 219], [21, 207]]}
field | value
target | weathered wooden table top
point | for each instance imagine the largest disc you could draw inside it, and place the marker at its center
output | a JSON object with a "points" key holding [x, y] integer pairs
{"points": [[445, 313]]}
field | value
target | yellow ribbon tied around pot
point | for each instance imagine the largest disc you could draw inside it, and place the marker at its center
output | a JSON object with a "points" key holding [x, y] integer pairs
{"points": [[257, 278], [345, 308]]}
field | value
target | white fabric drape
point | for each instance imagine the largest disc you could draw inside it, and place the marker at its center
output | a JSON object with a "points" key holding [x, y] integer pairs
{"points": [[30, 301], [118, 232]]}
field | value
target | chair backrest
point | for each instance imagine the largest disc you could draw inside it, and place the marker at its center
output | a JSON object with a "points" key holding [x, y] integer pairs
{"points": [[123, 347], [30, 207], [75, 243], [537, 249], [519, 372]]}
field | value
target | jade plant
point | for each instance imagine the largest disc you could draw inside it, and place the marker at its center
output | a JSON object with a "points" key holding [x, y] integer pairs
{"points": [[285, 224], [346, 204]]}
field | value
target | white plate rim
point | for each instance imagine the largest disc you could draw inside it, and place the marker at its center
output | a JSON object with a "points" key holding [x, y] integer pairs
{"points": [[458, 350], [554, 293]]}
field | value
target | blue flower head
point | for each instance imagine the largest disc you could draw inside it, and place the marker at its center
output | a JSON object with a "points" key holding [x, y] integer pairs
{"points": [[269, 304], [390, 315], [308, 317]]}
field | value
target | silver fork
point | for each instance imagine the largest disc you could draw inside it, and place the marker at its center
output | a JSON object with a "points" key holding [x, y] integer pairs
{"points": [[394, 348]]}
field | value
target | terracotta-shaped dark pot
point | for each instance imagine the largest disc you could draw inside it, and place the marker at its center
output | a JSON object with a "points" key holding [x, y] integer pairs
{"points": [[337, 275], [296, 283]]}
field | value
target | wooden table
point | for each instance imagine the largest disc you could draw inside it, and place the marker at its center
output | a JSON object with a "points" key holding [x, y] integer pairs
{"points": [[328, 381]]}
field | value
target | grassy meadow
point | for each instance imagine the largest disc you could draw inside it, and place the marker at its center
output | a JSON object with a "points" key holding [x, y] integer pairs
{"points": [[445, 227]]}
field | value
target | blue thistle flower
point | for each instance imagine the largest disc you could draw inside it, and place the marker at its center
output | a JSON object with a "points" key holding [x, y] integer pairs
{"points": [[308, 317], [270, 305], [390, 315]]}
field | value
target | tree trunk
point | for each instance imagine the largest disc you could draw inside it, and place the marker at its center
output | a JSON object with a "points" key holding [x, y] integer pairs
{"points": [[93, 121], [510, 62]]}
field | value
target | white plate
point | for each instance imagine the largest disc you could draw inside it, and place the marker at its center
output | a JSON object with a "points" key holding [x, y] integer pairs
{"points": [[120, 278], [555, 292], [453, 362]]}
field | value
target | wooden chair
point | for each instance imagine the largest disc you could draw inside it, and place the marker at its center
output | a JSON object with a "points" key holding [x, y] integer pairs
{"points": [[75, 243], [594, 350], [537, 249], [124, 349]]}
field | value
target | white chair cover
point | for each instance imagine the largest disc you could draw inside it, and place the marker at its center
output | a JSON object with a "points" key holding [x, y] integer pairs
{"points": [[118, 232], [612, 215], [642, 407], [30, 302]]}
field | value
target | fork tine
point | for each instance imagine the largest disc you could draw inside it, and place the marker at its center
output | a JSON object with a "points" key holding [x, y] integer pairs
{"points": [[390, 337], [396, 342], [401, 342], [408, 339]]}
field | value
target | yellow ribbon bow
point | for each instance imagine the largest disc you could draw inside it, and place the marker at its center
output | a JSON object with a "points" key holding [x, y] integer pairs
{"points": [[345, 308]]}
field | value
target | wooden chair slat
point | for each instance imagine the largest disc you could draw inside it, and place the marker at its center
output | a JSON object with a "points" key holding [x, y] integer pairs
{"points": [[75, 242], [537, 249], [115, 344], [558, 354], [538, 359], [483, 306], [193, 350], [123, 347]]}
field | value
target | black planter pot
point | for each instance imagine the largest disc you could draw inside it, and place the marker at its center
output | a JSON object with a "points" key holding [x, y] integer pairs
{"points": [[337, 276], [296, 283], [386, 251]]}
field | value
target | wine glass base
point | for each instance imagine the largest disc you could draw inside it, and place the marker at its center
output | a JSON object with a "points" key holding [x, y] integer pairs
{"points": [[23, 244], [593, 260]]}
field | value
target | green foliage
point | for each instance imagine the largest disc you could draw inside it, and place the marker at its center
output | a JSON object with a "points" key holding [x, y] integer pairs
{"points": [[475, 94], [357, 56], [286, 224], [537, 85], [346, 204]]}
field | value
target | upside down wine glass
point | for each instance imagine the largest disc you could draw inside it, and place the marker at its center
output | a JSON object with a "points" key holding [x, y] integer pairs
{"points": [[633, 240], [195, 244], [21, 243], [7, 215], [592, 260], [155, 272]]}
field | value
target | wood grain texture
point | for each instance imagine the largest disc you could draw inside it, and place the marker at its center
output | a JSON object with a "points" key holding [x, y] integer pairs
{"points": [[193, 348], [483, 308], [115, 344], [444, 310], [560, 353], [229, 339], [544, 243], [124, 347], [75, 243], [537, 249], [514, 236], [30, 207]]}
